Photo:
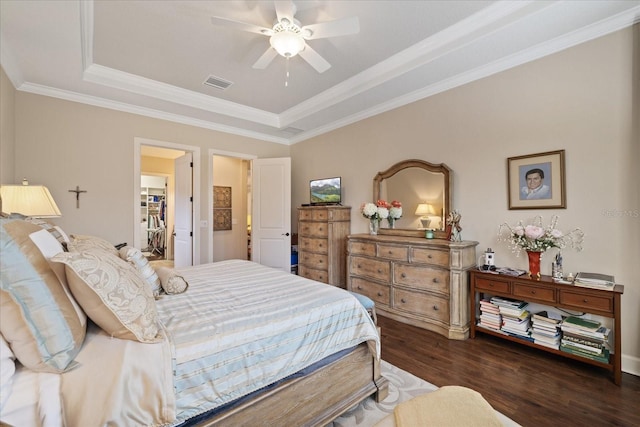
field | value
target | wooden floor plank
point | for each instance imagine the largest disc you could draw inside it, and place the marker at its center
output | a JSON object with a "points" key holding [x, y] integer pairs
{"points": [[530, 386]]}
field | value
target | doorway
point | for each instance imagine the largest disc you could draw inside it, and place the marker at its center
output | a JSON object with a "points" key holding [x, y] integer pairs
{"points": [[158, 159]]}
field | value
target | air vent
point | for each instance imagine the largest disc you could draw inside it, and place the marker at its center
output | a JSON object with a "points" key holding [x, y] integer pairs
{"points": [[217, 82]]}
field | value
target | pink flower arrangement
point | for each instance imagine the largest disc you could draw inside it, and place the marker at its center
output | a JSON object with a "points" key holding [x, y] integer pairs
{"points": [[536, 238]]}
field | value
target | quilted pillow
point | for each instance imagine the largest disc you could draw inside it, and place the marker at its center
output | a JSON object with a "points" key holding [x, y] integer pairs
{"points": [[135, 258], [81, 242], [171, 282], [37, 316], [112, 293]]}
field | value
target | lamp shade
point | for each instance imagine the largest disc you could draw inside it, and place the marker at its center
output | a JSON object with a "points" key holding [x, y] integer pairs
{"points": [[424, 209], [28, 200]]}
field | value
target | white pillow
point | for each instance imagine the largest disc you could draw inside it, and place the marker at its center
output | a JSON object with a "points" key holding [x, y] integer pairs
{"points": [[7, 369]]}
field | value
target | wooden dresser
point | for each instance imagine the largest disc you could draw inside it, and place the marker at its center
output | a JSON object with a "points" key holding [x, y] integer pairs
{"points": [[322, 243], [422, 282]]}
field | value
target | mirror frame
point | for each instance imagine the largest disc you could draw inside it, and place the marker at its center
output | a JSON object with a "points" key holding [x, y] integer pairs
{"points": [[422, 164]]}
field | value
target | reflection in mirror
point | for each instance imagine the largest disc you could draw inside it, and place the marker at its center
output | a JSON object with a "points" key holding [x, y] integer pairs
{"points": [[422, 187]]}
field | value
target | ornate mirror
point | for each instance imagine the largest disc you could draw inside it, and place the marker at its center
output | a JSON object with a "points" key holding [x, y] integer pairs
{"points": [[423, 188]]}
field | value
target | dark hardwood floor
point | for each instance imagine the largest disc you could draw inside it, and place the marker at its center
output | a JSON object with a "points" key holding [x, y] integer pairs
{"points": [[529, 386]]}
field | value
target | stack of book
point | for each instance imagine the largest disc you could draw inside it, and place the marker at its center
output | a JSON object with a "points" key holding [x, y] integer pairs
{"points": [[490, 317], [516, 320], [585, 338], [594, 280], [545, 329]]}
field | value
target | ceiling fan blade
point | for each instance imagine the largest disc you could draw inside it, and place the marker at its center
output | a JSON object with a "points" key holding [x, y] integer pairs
{"points": [[265, 59], [285, 9], [339, 27], [243, 26], [314, 59]]}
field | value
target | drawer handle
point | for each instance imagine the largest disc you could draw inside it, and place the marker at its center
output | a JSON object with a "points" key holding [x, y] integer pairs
{"points": [[533, 292], [429, 256], [320, 228], [379, 271], [435, 308], [359, 287], [402, 300], [435, 280], [585, 300], [379, 294], [390, 252], [404, 276], [319, 261], [320, 245], [358, 265]]}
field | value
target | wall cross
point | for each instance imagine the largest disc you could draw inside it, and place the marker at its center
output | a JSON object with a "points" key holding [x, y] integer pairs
{"points": [[77, 191]]}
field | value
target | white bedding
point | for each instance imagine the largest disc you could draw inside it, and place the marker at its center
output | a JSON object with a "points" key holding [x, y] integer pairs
{"points": [[240, 326]]}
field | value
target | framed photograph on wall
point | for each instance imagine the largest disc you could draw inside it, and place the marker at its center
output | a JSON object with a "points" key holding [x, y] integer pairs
{"points": [[537, 181]]}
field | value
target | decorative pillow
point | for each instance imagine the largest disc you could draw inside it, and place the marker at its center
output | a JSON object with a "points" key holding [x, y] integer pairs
{"points": [[135, 258], [7, 369], [171, 282], [37, 316], [81, 242], [112, 293], [55, 231], [49, 247]]}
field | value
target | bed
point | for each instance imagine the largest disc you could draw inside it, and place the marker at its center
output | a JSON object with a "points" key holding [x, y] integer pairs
{"points": [[228, 343]]}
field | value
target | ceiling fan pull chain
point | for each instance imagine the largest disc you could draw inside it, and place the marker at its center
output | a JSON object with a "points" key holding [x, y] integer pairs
{"points": [[286, 80]]}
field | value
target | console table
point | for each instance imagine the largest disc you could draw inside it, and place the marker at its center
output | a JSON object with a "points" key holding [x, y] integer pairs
{"points": [[545, 291]]}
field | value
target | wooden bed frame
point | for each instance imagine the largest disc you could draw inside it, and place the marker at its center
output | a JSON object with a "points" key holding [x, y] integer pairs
{"points": [[315, 399]]}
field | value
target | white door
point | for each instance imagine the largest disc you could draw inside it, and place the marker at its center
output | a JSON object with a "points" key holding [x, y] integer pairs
{"points": [[183, 234], [271, 220]]}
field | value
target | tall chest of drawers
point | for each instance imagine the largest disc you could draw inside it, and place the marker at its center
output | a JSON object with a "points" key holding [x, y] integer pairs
{"points": [[322, 243], [414, 280]]}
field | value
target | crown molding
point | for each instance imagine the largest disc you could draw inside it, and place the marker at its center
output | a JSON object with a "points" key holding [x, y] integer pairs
{"points": [[143, 111]]}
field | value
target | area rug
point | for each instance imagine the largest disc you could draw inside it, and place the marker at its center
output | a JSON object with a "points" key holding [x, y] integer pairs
{"points": [[402, 387]]}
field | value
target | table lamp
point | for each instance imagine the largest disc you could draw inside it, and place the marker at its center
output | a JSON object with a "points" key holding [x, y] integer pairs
{"points": [[28, 200], [424, 210]]}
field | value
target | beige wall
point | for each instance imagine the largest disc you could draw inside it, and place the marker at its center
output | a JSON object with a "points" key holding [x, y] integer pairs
{"points": [[579, 100], [63, 144], [7, 130]]}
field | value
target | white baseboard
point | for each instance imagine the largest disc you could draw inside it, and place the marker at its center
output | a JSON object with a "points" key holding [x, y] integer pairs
{"points": [[631, 365]]}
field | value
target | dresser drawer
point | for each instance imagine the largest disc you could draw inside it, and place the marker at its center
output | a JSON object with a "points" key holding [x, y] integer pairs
{"points": [[420, 277], [539, 293], [379, 270], [313, 244], [313, 274], [492, 285], [318, 261], [422, 304], [586, 301], [377, 292], [430, 256], [396, 253], [362, 248], [313, 229]]}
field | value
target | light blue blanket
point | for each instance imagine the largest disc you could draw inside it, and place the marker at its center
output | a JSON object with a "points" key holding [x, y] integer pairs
{"points": [[241, 326]]}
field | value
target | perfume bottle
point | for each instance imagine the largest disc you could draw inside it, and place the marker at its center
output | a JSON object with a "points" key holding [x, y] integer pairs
{"points": [[556, 267]]}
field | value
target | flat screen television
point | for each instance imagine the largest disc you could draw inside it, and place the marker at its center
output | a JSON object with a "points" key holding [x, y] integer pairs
{"points": [[327, 191]]}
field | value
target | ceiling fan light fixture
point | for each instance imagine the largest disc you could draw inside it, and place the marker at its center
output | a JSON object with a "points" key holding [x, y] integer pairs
{"points": [[287, 43]]}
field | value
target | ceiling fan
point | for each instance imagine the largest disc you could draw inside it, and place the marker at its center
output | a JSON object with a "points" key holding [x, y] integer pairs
{"points": [[289, 38]]}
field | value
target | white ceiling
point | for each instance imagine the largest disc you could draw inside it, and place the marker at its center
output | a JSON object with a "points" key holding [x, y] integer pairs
{"points": [[152, 57]]}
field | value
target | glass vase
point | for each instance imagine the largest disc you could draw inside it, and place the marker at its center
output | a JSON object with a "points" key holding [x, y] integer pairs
{"points": [[392, 222], [534, 264], [374, 224]]}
